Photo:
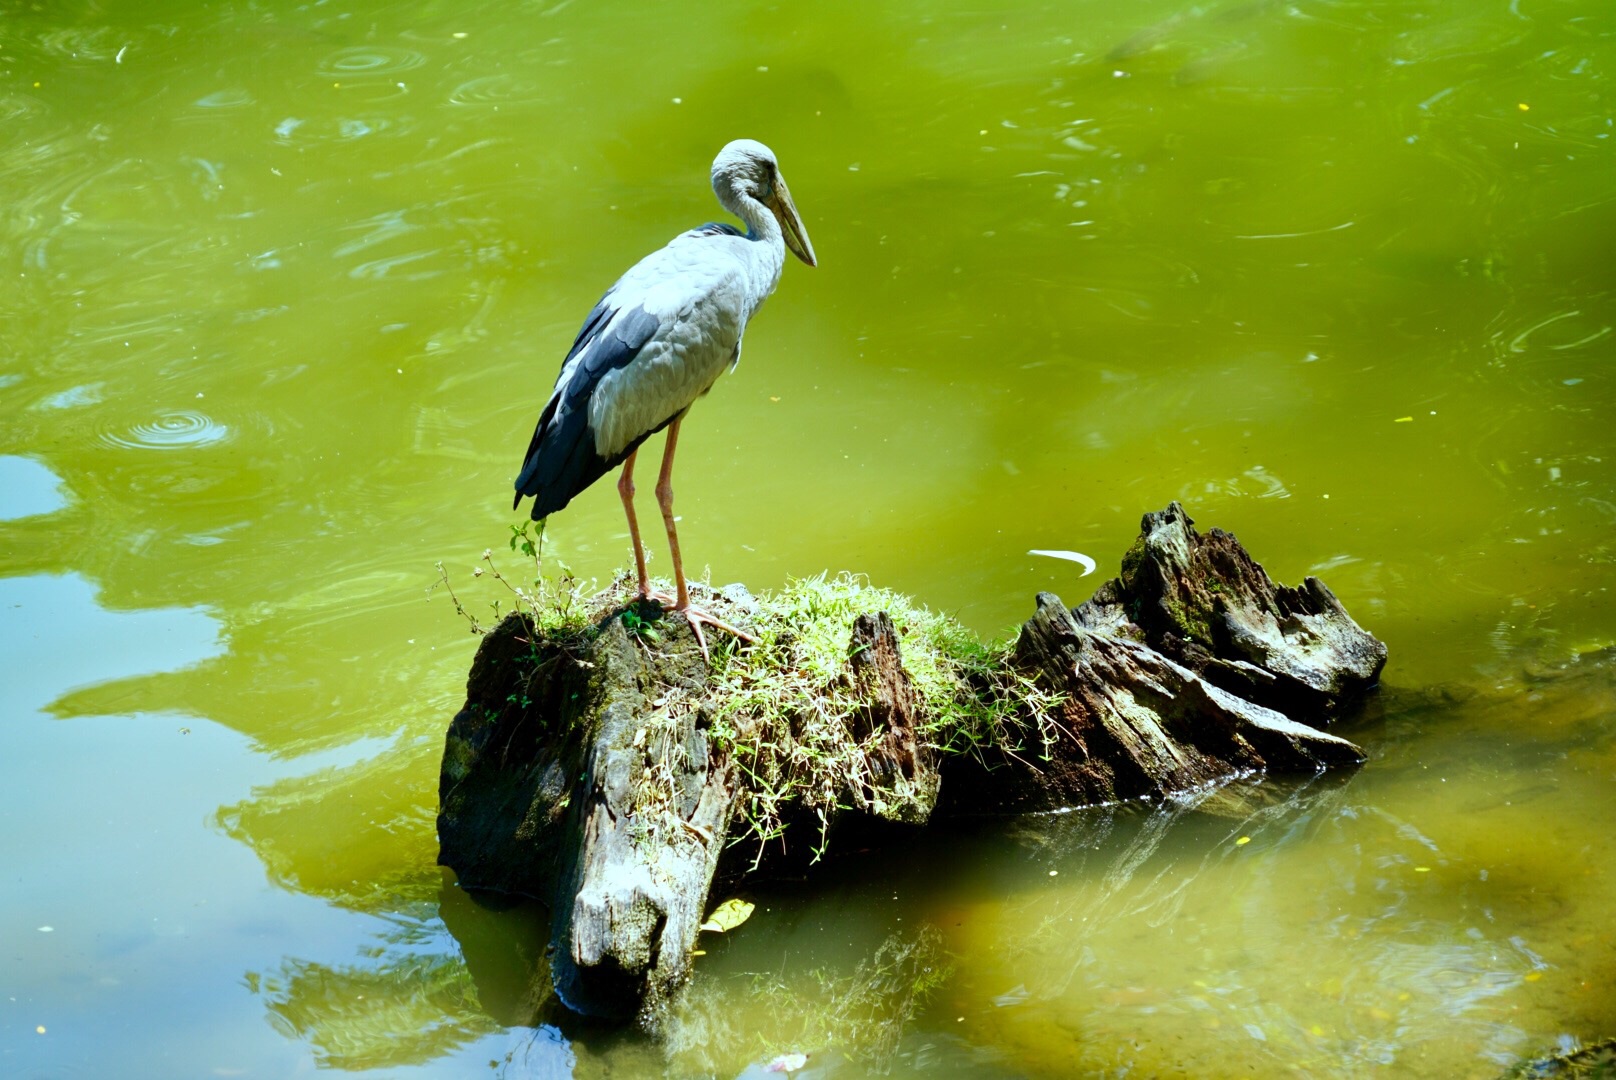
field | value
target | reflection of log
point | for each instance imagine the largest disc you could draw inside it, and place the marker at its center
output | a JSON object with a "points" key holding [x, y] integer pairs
{"points": [[584, 768]]}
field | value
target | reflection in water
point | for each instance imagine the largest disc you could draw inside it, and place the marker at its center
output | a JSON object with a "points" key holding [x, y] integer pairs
{"points": [[1253, 975], [858, 1016], [404, 1008], [72, 640], [28, 488]]}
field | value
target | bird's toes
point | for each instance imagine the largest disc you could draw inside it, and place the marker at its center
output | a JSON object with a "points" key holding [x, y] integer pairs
{"points": [[667, 601], [701, 638], [698, 617]]}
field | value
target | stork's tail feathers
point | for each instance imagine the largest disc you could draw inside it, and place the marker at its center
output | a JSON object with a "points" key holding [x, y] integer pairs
{"points": [[561, 461]]}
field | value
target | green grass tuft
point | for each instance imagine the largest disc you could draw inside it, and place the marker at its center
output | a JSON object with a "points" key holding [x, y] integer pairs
{"points": [[785, 708]]}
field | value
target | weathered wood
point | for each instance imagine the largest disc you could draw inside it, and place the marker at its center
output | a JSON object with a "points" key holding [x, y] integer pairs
{"points": [[582, 769], [577, 773], [902, 777], [1186, 670], [1128, 723], [580, 772], [1207, 604]]}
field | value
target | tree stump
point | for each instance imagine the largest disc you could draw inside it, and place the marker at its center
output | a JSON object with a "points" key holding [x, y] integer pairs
{"points": [[584, 769], [1190, 668], [580, 772]]}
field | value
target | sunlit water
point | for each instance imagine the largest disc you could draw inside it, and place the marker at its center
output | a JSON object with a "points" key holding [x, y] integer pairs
{"points": [[288, 282]]}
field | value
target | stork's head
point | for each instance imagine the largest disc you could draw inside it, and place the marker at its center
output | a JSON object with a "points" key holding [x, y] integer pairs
{"points": [[746, 169]]}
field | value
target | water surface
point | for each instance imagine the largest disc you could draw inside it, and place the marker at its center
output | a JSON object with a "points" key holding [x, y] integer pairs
{"points": [[289, 281]]}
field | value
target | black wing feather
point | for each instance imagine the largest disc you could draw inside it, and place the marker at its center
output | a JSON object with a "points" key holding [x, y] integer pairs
{"points": [[561, 460], [715, 228]]}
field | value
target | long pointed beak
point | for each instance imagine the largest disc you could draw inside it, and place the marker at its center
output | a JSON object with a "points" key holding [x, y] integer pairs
{"points": [[785, 212]]}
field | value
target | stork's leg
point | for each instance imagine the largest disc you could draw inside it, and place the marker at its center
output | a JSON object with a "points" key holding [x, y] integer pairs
{"points": [[664, 494], [625, 490]]}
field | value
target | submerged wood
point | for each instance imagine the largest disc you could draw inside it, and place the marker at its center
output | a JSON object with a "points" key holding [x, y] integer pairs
{"points": [[582, 770]]}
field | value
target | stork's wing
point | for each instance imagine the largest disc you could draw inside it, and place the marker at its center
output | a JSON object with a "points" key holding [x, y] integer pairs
{"points": [[561, 460]]}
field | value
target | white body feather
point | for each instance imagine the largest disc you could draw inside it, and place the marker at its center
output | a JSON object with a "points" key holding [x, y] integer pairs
{"points": [[702, 289]]}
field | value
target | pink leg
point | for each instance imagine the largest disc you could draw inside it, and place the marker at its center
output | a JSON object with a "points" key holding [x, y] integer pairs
{"points": [[664, 493], [625, 491]]}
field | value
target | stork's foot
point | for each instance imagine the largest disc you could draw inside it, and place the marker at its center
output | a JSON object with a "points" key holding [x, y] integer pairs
{"points": [[698, 617], [666, 601]]}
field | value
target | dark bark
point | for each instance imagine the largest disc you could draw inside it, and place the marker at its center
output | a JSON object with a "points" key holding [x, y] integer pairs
{"points": [[1203, 602], [580, 772], [902, 764], [1190, 668], [581, 769]]}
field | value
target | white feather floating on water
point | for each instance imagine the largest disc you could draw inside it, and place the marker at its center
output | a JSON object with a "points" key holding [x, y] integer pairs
{"points": [[1070, 556]]}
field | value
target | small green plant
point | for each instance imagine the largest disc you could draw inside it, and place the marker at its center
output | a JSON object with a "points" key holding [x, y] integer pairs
{"points": [[550, 605], [642, 628], [530, 545]]}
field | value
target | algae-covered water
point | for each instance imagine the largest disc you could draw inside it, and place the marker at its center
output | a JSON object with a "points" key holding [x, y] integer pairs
{"points": [[286, 284]]}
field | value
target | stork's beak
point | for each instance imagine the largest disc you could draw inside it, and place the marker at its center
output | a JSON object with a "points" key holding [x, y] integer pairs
{"points": [[785, 212]]}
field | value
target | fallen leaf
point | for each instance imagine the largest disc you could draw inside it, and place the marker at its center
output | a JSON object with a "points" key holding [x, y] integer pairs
{"points": [[728, 915]]}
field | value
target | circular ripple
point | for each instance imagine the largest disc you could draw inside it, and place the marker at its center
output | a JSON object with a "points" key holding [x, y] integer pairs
{"points": [[370, 60], [497, 90], [171, 431]]}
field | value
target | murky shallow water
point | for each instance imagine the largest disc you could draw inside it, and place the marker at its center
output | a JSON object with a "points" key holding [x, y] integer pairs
{"points": [[287, 284]]}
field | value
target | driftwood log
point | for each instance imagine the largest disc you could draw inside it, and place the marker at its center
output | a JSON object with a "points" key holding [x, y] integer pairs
{"points": [[581, 770]]}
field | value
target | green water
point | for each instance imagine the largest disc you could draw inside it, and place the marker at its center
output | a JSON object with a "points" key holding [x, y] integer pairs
{"points": [[286, 286]]}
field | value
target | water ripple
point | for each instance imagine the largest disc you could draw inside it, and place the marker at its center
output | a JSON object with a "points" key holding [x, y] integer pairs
{"points": [[293, 130], [233, 98], [170, 431], [497, 90], [18, 107], [1454, 39], [370, 60], [74, 43]]}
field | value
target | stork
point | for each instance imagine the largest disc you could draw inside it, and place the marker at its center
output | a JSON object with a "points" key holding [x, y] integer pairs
{"points": [[656, 342]]}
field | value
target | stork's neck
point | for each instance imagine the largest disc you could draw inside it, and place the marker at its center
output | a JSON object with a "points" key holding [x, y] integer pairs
{"points": [[768, 247]]}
